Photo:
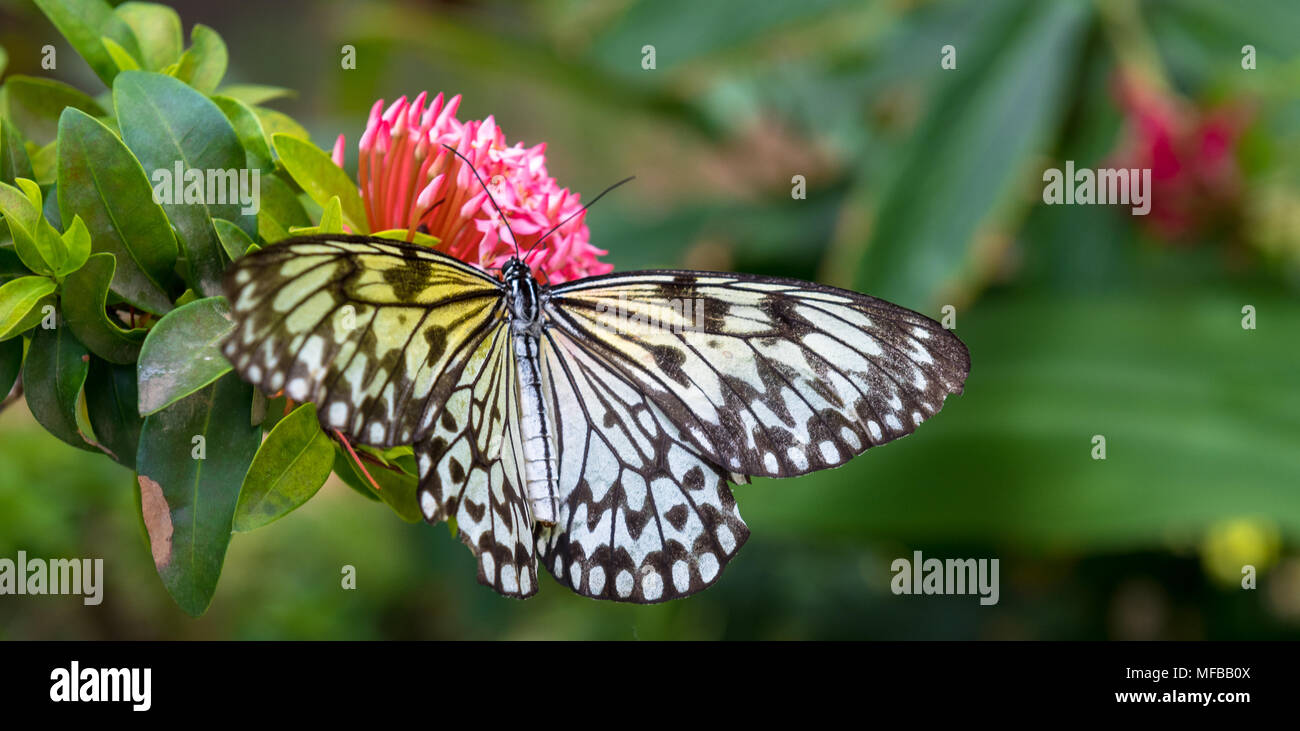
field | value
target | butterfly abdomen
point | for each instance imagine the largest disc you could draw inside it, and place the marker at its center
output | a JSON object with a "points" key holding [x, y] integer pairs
{"points": [[540, 465]]}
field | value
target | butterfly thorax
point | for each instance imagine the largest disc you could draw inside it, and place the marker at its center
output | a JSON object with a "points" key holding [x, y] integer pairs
{"points": [[523, 298], [540, 468]]}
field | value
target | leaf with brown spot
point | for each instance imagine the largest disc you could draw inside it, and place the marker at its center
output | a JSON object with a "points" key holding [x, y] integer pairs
{"points": [[157, 520], [199, 496]]}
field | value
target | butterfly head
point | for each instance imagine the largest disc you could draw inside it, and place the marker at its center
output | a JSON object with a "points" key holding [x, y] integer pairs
{"points": [[523, 294]]}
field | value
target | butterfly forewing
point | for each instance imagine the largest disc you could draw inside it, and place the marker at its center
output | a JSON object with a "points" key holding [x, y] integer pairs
{"points": [[766, 376], [374, 333]]}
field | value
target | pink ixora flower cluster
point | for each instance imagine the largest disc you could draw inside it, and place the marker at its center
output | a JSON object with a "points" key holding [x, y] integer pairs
{"points": [[409, 181]]}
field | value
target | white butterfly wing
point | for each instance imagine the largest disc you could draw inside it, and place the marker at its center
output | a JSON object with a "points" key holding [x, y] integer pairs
{"points": [[766, 376], [643, 516], [471, 469]]}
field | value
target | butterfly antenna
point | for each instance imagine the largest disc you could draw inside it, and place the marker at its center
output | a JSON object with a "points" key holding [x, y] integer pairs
{"points": [[576, 213], [513, 240]]}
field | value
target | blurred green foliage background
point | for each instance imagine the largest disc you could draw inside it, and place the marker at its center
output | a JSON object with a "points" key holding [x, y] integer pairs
{"points": [[924, 186]]}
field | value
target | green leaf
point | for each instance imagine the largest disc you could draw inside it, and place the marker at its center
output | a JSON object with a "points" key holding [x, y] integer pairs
{"points": [[182, 353], [55, 371], [204, 64], [397, 489], [249, 129], [121, 58], [4, 60], [290, 467], [233, 238], [276, 123], [83, 23], [10, 265], [45, 161], [331, 221], [35, 240], [85, 294], [398, 234], [21, 301], [956, 179], [166, 124], [76, 240], [254, 94], [35, 106], [321, 179], [188, 496], [157, 29], [11, 363], [281, 210], [111, 407], [14, 162], [102, 182], [349, 476]]}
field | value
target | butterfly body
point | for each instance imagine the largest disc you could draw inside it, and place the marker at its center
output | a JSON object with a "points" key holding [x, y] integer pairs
{"points": [[594, 426], [524, 296]]}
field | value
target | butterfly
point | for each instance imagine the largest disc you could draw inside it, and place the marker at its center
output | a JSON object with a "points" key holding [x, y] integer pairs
{"points": [[594, 426]]}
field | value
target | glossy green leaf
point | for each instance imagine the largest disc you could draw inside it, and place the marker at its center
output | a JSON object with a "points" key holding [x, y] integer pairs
{"points": [[37, 244], [290, 467], [21, 301], [191, 460], [203, 65], [281, 210], [249, 129], [4, 60], [348, 475], [331, 221], [253, 94], [398, 234], [321, 179], [35, 106], [121, 57], [102, 182], [956, 177], [85, 294], [157, 30], [168, 124], [277, 123], [45, 162], [76, 241], [233, 238], [182, 353], [112, 410], [397, 489], [83, 23], [14, 162], [11, 363], [52, 379]]}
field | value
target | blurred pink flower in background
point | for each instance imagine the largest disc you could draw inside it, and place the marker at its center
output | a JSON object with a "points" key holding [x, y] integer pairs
{"points": [[409, 181], [1192, 152]]}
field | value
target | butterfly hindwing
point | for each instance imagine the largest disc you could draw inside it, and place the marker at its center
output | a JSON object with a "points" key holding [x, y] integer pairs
{"points": [[768, 377], [471, 469], [643, 517]]}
